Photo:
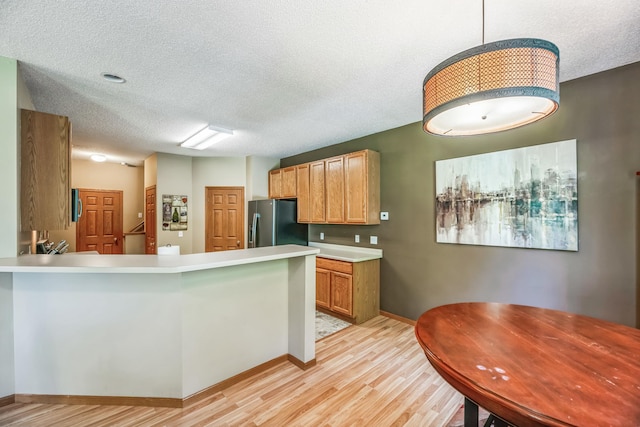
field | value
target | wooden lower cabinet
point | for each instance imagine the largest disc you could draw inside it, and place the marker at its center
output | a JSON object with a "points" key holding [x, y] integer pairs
{"points": [[351, 291], [323, 288]]}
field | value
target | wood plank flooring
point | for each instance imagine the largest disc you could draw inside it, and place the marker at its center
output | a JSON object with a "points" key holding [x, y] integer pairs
{"points": [[373, 374]]}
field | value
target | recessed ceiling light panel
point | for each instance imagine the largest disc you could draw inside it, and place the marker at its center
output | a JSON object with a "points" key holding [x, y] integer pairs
{"points": [[206, 137]]}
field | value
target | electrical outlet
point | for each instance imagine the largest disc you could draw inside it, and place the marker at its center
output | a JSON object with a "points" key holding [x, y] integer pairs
{"points": [[139, 214], [180, 234], [373, 240], [384, 216], [321, 236], [357, 238]]}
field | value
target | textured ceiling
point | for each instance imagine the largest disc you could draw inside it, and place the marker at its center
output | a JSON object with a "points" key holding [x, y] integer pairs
{"points": [[287, 75]]}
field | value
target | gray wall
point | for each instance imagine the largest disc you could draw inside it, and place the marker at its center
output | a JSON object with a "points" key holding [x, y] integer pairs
{"points": [[602, 112]]}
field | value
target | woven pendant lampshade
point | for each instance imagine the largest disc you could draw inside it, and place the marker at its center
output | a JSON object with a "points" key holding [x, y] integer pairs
{"points": [[492, 87]]}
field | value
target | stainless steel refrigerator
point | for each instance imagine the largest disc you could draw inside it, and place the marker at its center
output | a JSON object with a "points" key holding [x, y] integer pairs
{"points": [[274, 222]]}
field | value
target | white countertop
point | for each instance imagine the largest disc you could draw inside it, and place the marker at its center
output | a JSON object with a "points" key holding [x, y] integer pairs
{"points": [[346, 253], [90, 263]]}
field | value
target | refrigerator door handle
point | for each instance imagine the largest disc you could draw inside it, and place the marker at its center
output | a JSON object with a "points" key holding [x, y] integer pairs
{"points": [[253, 230]]}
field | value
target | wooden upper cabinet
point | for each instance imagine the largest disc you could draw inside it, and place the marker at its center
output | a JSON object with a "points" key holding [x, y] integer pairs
{"points": [[275, 184], [362, 183], [338, 190], [45, 171], [289, 182], [282, 183], [317, 192], [334, 177], [302, 179]]}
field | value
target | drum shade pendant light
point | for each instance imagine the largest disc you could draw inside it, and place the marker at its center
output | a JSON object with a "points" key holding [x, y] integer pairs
{"points": [[492, 87]]}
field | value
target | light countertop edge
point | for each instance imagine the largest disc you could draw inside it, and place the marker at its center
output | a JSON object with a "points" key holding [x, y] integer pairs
{"points": [[346, 253], [84, 263]]}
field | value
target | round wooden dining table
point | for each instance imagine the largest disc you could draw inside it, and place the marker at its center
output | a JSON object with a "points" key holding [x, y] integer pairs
{"points": [[532, 366]]}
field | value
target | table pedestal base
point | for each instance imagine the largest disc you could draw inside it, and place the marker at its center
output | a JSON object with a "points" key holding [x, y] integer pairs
{"points": [[471, 416]]}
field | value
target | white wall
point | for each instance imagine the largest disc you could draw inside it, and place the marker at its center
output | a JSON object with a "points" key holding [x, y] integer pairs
{"points": [[98, 334], [261, 334], [7, 379], [174, 174], [257, 176], [174, 178], [212, 172], [159, 334], [9, 144], [9, 214], [150, 171]]}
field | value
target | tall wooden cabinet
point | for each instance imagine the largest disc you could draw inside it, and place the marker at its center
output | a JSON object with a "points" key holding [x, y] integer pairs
{"points": [[45, 171]]}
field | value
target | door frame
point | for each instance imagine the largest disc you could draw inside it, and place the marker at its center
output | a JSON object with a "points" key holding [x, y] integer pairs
{"points": [[150, 224]]}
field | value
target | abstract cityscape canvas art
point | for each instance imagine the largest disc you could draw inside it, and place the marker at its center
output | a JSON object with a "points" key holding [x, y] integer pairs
{"points": [[525, 197]]}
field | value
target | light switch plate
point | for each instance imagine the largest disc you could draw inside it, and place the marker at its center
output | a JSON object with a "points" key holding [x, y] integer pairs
{"points": [[373, 240], [180, 234], [384, 216], [139, 214]]}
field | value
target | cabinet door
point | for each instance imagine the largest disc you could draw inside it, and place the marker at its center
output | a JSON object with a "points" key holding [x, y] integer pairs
{"points": [[275, 184], [356, 184], [45, 171], [362, 182], [317, 192], [335, 190], [302, 178], [341, 293], [323, 288], [289, 182]]}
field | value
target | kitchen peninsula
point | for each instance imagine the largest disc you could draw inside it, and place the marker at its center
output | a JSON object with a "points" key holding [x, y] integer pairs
{"points": [[157, 330]]}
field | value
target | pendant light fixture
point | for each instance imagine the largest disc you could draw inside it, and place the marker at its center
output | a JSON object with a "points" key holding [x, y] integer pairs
{"points": [[493, 87]]}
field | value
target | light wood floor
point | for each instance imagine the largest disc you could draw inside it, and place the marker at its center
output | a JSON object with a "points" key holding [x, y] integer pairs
{"points": [[373, 374]]}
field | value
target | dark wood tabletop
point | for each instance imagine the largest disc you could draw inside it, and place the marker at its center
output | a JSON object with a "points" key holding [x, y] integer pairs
{"points": [[532, 366]]}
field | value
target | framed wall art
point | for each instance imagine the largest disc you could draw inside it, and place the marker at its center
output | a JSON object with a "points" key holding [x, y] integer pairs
{"points": [[174, 212], [525, 197]]}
